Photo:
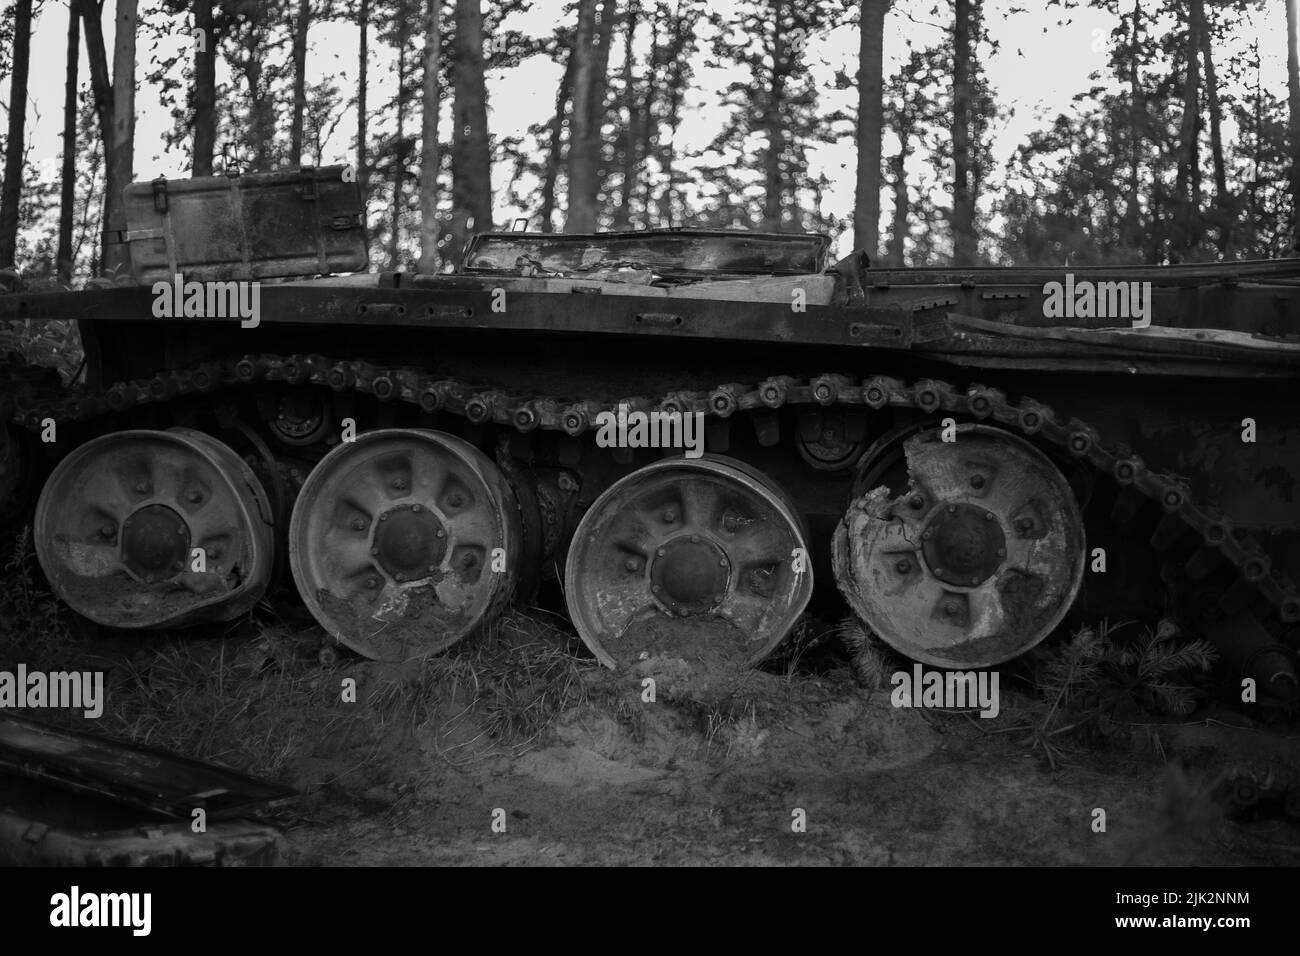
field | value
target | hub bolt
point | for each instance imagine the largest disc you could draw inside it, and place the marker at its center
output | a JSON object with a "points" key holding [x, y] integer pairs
{"points": [[441, 533], [917, 502], [904, 566], [468, 561], [142, 487], [455, 501], [374, 551], [194, 496], [358, 524], [977, 481], [660, 552], [372, 583], [399, 577], [950, 608], [952, 509], [1023, 524], [632, 564], [1002, 552], [416, 509], [669, 517], [399, 484], [384, 516], [695, 539]]}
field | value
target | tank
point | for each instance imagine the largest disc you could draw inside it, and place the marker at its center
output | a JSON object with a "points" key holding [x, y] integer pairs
{"points": [[694, 437]]}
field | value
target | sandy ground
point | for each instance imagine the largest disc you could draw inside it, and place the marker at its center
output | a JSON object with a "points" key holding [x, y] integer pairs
{"points": [[627, 782]]}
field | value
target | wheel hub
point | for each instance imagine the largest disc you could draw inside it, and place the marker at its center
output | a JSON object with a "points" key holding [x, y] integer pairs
{"points": [[689, 574], [122, 518], [409, 542], [701, 561], [968, 560], [404, 541], [963, 545], [155, 543]]}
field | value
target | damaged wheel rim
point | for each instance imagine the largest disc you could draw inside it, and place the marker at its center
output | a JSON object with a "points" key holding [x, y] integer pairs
{"points": [[704, 559], [975, 562], [404, 541], [148, 529]]}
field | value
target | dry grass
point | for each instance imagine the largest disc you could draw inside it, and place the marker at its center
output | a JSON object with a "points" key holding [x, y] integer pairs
{"points": [[258, 703]]}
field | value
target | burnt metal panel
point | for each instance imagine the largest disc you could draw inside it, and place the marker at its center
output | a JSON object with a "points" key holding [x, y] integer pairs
{"points": [[665, 251], [128, 774]]}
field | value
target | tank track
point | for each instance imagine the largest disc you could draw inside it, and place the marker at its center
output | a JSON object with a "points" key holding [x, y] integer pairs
{"points": [[30, 394]]}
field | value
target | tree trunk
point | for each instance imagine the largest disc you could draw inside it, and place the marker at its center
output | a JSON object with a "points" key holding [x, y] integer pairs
{"points": [[1293, 98], [582, 166], [1222, 201], [399, 170], [898, 170], [205, 91], [1189, 166], [1132, 210], [68, 184], [631, 131], [650, 126], [471, 157], [261, 105], [556, 147], [115, 106], [667, 153], [871, 119], [11, 194], [363, 58], [429, 141], [596, 103], [300, 26], [773, 182], [963, 202]]}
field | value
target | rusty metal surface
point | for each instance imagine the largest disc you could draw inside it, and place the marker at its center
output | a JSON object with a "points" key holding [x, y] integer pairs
{"points": [[118, 523], [975, 562], [128, 774], [669, 252], [404, 541], [255, 226], [681, 542]]}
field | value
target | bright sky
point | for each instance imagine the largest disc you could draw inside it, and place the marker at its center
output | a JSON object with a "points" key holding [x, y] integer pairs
{"points": [[1037, 71]]}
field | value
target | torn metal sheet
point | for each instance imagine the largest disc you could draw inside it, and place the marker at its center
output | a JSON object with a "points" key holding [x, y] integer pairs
{"points": [[667, 252], [129, 774], [30, 841]]}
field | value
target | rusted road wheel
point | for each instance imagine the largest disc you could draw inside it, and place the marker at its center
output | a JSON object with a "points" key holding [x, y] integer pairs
{"points": [[975, 561], [404, 541], [148, 529], [702, 559]]}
